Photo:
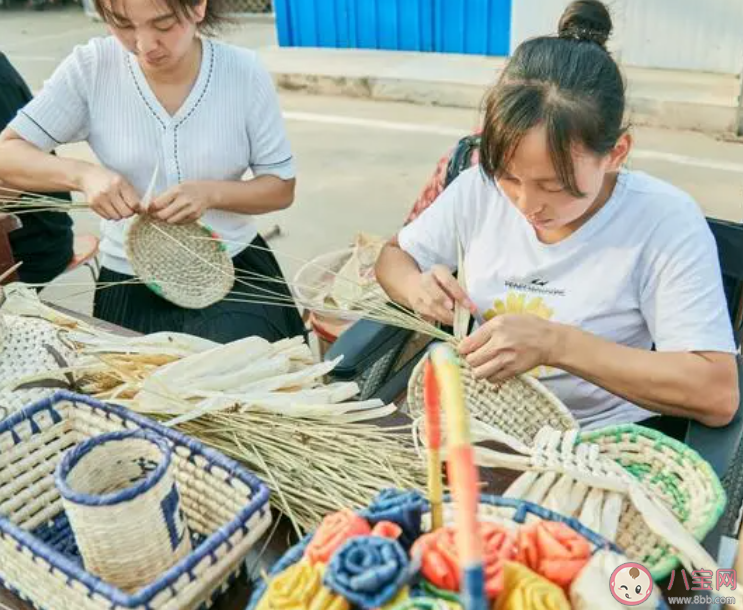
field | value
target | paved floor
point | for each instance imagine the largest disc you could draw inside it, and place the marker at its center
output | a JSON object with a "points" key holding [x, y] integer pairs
{"points": [[361, 163]]}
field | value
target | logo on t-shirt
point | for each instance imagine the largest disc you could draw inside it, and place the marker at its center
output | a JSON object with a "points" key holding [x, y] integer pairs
{"points": [[536, 286]]}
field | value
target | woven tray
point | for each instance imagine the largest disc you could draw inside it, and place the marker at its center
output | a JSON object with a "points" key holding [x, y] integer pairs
{"points": [[184, 264], [225, 508], [519, 407], [497, 509]]}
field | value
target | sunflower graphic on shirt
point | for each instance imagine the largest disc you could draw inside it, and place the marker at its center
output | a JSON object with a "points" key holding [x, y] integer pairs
{"points": [[520, 303]]}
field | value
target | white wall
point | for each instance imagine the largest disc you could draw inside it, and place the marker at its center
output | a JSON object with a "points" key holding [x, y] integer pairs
{"points": [[704, 35]]}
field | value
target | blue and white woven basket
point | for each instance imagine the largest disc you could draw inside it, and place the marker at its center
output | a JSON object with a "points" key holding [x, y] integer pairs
{"points": [[224, 506], [116, 487]]}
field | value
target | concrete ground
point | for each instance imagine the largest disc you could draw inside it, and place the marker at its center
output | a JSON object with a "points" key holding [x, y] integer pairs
{"points": [[361, 163]]}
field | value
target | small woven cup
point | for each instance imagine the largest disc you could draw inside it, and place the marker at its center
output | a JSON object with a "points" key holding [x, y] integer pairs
{"points": [[120, 497]]}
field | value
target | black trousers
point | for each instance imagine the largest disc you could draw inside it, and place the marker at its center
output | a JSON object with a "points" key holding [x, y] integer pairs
{"points": [[675, 427], [136, 307]]}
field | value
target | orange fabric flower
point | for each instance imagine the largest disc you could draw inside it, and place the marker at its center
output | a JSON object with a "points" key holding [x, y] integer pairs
{"points": [[334, 530], [553, 550], [387, 529], [440, 560]]}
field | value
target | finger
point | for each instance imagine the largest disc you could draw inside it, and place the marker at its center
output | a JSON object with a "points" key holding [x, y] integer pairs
{"points": [[163, 201], [104, 209], [172, 209], [476, 340], [130, 197], [442, 314], [452, 288], [486, 353], [493, 368], [122, 209], [184, 216]]}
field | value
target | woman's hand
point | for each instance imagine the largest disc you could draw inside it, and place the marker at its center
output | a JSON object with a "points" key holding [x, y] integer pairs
{"points": [[433, 295], [510, 345], [109, 194], [184, 203]]}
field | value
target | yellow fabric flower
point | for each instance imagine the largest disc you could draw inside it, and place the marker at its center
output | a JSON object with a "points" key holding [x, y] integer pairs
{"points": [[525, 590], [300, 587]]}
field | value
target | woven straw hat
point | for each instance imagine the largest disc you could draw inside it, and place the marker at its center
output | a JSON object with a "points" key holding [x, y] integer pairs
{"points": [[30, 347], [178, 263]]}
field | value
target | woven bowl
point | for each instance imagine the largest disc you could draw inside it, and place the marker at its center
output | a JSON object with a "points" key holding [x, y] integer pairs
{"points": [[398, 506], [119, 493], [677, 474], [520, 407], [178, 263]]}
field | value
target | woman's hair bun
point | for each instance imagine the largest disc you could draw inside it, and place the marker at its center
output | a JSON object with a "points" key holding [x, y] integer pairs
{"points": [[586, 20]]}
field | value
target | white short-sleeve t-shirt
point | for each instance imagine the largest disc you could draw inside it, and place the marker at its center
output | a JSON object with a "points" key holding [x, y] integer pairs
{"points": [[230, 124], [643, 271]]}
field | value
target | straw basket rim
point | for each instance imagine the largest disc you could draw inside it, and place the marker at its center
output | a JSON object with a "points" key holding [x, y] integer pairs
{"points": [[168, 579], [213, 285], [73, 457], [523, 509]]}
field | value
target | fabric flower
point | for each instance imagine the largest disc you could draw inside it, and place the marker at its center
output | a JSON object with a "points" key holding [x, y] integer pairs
{"points": [[368, 571], [526, 590], [405, 508], [440, 559], [553, 550], [300, 587], [334, 530], [425, 603]]}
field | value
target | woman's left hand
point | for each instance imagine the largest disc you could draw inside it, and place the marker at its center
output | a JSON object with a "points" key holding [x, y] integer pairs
{"points": [[509, 345], [183, 204]]}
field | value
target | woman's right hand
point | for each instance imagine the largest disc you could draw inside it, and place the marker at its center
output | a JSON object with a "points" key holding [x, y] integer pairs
{"points": [[434, 293], [109, 194]]}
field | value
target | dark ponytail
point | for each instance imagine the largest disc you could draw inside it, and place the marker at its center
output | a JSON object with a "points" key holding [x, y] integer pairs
{"points": [[568, 83]]}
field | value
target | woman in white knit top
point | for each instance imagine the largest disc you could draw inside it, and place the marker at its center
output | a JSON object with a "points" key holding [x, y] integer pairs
{"points": [[157, 93]]}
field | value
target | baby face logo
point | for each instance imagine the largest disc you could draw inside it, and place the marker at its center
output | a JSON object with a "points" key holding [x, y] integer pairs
{"points": [[631, 584]]}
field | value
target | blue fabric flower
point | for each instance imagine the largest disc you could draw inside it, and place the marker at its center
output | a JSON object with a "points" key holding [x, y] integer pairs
{"points": [[368, 571], [405, 508]]}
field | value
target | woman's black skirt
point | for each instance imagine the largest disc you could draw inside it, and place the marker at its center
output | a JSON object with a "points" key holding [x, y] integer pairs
{"points": [[136, 307]]}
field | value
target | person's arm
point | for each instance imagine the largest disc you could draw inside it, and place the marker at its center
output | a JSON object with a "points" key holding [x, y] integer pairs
{"points": [[698, 385]]}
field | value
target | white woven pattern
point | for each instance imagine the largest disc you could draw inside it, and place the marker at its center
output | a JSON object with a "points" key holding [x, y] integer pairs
{"points": [[27, 349], [180, 262]]}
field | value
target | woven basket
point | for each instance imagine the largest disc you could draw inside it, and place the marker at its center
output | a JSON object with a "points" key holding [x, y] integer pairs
{"points": [[495, 509], [115, 487], [31, 347], [520, 406], [598, 477], [224, 506], [676, 474], [178, 263]]}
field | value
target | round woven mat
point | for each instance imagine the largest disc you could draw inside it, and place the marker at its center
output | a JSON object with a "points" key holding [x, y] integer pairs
{"points": [[177, 263], [520, 407], [30, 346]]}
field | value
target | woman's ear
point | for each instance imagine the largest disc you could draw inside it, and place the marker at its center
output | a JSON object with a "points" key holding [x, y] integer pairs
{"points": [[620, 152], [199, 11]]}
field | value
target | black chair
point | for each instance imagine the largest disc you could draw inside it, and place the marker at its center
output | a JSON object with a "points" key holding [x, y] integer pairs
{"points": [[381, 359]]}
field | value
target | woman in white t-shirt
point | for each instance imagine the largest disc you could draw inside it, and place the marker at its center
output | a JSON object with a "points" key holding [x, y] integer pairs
{"points": [[159, 94], [575, 267]]}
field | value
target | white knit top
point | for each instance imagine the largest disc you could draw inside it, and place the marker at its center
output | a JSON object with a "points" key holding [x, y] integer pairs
{"points": [[230, 123]]}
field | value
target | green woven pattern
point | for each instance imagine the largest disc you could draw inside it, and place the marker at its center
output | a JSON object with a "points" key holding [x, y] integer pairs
{"points": [[676, 474]]}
